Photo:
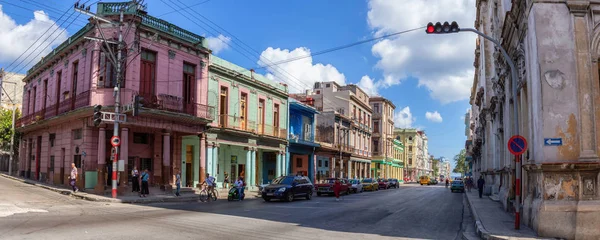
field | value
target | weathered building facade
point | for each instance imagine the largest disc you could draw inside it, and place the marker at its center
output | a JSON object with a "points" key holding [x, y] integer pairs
{"points": [[383, 138], [555, 46], [167, 67]]}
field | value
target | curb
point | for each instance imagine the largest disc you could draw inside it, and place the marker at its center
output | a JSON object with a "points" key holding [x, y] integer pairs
{"points": [[479, 228]]}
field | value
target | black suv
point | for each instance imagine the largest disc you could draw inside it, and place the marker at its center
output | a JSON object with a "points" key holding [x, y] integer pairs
{"points": [[287, 188], [394, 183]]}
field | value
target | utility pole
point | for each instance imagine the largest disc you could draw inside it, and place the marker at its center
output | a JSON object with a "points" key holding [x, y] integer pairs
{"points": [[115, 117], [14, 112]]}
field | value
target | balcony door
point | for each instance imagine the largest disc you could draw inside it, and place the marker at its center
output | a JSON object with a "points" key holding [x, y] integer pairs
{"points": [[223, 106], [57, 96], [74, 84], [261, 116], [244, 111], [276, 120], [189, 88], [148, 74], [45, 96]]}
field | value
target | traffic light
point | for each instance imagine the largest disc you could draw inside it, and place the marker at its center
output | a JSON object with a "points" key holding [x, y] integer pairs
{"points": [[137, 104], [439, 28], [97, 115]]}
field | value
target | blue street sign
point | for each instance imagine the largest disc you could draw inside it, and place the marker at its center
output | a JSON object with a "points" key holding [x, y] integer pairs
{"points": [[552, 141]]}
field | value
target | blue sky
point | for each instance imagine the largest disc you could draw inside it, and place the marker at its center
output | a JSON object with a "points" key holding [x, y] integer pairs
{"points": [[420, 73]]}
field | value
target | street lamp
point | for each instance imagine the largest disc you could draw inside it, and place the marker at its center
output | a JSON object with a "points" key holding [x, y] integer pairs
{"points": [[433, 29]]}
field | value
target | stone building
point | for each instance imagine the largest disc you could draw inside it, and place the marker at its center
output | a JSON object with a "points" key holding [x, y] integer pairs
{"points": [[555, 46], [383, 163]]}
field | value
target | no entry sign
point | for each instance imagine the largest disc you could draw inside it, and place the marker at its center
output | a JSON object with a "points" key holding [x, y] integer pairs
{"points": [[115, 141], [517, 145]]}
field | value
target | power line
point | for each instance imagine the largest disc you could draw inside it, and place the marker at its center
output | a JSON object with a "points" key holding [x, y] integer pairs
{"points": [[190, 6], [33, 10]]}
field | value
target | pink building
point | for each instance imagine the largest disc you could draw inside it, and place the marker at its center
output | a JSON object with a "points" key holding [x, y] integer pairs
{"points": [[165, 64]]}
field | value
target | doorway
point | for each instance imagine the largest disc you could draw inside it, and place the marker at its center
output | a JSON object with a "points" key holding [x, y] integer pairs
{"points": [[242, 171], [62, 166], [189, 165]]}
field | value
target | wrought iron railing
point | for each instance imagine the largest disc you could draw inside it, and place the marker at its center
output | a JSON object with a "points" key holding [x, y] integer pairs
{"points": [[238, 123], [81, 100], [176, 104]]}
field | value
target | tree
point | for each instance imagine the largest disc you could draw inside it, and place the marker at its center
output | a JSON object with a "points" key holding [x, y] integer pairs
{"points": [[460, 163], [6, 129]]}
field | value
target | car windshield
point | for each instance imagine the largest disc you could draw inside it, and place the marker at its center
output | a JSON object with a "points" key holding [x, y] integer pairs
{"points": [[367, 180], [330, 180], [354, 181], [456, 182], [283, 180]]}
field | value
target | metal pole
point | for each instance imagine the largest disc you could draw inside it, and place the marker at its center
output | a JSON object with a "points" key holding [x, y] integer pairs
{"points": [[117, 103], [513, 73]]}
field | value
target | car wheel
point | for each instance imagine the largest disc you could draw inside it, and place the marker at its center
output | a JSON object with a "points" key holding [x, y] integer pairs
{"points": [[267, 199], [318, 194], [309, 195], [289, 197]]}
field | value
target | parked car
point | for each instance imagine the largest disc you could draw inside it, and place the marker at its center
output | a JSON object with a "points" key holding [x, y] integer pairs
{"points": [[347, 182], [383, 183], [424, 180], [327, 187], [457, 186], [287, 188], [357, 186], [370, 185], [433, 181], [394, 183]]}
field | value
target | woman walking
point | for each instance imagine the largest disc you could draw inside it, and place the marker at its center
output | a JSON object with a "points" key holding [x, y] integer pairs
{"points": [[135, 180], [145, 177]]}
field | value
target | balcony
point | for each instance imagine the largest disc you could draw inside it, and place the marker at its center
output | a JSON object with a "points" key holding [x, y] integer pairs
{"points": [[67, 105], [273, 131], [376, 116], [237, 123], [306, 139], [176, 104]]}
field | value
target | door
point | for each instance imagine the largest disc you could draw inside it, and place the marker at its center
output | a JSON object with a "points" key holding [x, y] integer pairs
{"points": [[74, 85], [189, 165], [276, 120], [38, 153], [57, 96], [223, 107], [189, 88], [44, 97], [62, 166], [147, 74], [261, 116], [242, 171], [243, 111]]}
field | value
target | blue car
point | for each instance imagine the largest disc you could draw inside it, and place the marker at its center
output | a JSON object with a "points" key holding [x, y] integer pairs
{"points": [[457, 186]]}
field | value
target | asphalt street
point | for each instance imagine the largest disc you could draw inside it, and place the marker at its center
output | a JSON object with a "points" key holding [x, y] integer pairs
{"points": [[411, 212]]}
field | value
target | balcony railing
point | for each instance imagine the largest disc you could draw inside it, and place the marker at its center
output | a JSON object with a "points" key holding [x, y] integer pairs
{"points": [[237, 123], [273, 131], [176, 104], [81, 100]]}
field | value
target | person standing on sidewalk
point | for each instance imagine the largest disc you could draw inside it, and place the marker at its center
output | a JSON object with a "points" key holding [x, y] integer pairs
{"points": [[480, 184], [178, 182], [73, 178], [135, 180], [469, 184], [145, 177]]}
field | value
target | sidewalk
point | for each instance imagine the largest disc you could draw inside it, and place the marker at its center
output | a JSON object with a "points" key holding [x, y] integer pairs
{"points": [[492, 222], [155, 195]]}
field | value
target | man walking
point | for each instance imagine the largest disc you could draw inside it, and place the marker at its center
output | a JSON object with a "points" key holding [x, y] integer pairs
{"points": [[178, 181], [469, 184], [73, 178], [480, 184]]}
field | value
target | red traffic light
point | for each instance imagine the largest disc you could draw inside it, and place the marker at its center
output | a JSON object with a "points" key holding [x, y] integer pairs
{"points": [[440, 28]]}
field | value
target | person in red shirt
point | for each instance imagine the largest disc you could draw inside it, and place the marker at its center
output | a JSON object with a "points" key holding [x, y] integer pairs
{"points": [[337, 187]]}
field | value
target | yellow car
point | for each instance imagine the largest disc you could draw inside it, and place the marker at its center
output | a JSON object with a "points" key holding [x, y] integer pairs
{"points": [[370, 185], [424, 180]]}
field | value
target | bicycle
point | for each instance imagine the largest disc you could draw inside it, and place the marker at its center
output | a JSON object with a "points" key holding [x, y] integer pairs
{"points": [[205, 195]]}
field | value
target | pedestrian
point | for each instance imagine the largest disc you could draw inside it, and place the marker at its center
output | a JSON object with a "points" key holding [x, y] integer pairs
{"points": [[178, 182], [145, 177], [469, 184], [337, 187], [226, 180], [480, 184], [135, 180], [73, 178]]}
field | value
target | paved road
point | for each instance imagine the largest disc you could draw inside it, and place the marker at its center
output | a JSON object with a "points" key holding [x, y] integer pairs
{"points": [[411, 212]]}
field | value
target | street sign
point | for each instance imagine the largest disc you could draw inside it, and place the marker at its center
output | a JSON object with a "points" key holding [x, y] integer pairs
{"points": [[115, 141], [517, 145], [552, 141]]}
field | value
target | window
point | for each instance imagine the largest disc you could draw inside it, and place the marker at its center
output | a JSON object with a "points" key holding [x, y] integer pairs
{"points": [[148, 73], [189, 83], [276, 117], [74, 83], [298, 162], [376, 107], [320, 163], [77, 161], [52, 163], [140, 138], [376, 146], [107, 71], [243, 110], [77, 134], [261, 116], [327, 165], [146, 163], [45, 95], [409, 160], [375, 126], [57, 97], [52, 138], [409, 148], [34, 99], [327, 85], [318, 91]]}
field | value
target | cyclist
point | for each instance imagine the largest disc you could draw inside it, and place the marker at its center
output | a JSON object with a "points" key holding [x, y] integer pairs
{"points": [[210, 184]]}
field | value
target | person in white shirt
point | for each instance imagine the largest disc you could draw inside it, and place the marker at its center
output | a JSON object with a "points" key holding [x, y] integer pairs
{"points": [[210, 184], [239, 184]]}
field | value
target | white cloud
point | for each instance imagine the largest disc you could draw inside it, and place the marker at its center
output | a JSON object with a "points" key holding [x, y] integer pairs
{"points": [[300, 74], [404, 118], [434, 116], [368, 85], [442, 63], [16, 39], [218, 44]]}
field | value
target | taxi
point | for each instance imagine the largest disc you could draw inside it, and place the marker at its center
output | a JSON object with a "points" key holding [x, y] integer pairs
{"points": [[424, 180]]}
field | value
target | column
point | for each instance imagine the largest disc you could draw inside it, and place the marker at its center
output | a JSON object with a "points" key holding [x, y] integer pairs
{"points": [[99, 189], [208, 162], [248, 171], [253, 167], [203, 149], [214, 160], [587, 122], [332, 167], [349, 169], [286, 163], [166, 173], [278, 165], [341, 168], [124, 152]]}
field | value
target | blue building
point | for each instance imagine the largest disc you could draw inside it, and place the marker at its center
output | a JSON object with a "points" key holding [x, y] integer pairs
{"points": [[301, 137]]}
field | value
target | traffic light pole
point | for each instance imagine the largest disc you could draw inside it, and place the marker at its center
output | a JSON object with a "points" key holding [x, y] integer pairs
{"points": [[513, 73], [117, 104]]}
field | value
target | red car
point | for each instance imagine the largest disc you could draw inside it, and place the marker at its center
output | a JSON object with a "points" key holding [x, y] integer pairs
{"points": [[383, 183], [327, 187]]}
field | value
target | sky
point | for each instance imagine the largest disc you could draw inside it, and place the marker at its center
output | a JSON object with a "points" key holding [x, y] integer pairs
{"points": [[427, 77]]}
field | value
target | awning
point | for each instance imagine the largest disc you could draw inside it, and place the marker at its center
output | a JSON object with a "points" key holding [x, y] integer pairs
{"points": [[396, 165], [360, 160]]}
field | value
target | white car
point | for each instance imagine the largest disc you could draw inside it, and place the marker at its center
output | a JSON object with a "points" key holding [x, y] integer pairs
{"points": [[356, 185]]}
